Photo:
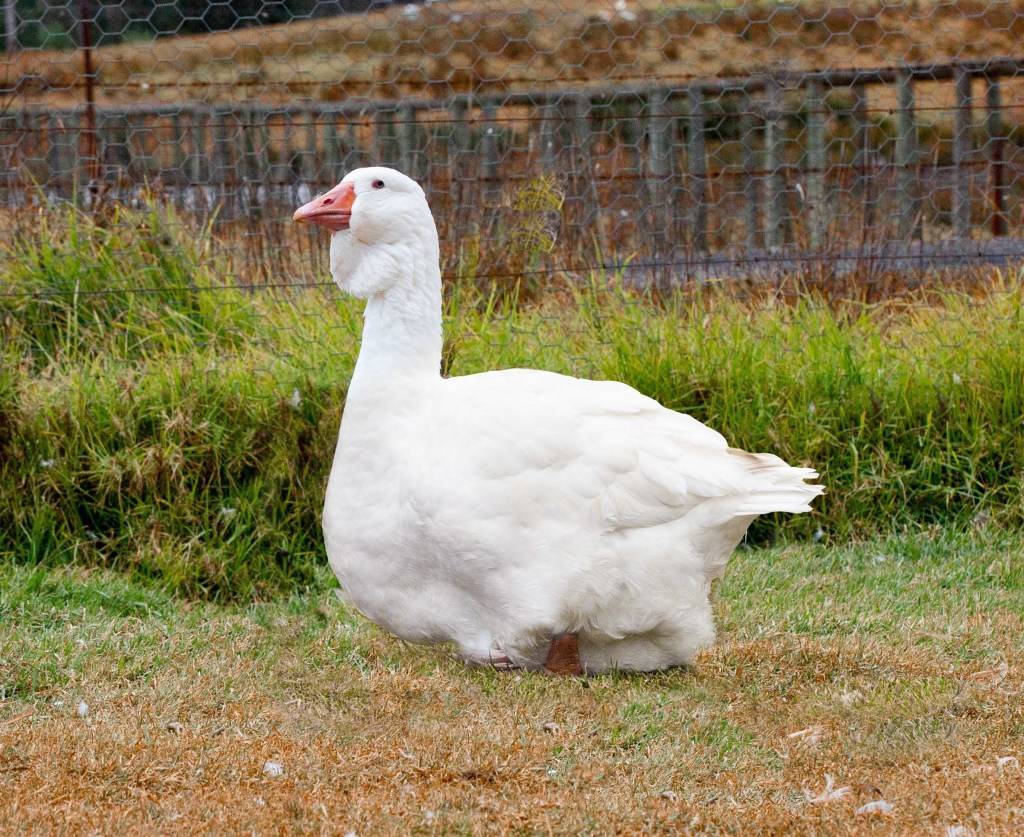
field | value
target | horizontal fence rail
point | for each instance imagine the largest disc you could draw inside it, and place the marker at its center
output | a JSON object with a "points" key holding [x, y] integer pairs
{"points": [[815, 160]]}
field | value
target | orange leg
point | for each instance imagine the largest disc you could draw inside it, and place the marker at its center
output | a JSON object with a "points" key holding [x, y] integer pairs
{"points": [[564, 656]]}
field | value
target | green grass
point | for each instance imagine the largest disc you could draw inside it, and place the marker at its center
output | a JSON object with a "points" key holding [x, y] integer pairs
{"points": [[185, 435]]}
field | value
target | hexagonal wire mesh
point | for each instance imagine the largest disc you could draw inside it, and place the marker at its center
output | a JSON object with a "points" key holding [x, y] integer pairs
{"points": [[155, 152], [689, 140]]}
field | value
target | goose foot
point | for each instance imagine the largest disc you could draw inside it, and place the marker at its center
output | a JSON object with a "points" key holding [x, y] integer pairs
{"points": [[564, 656]]}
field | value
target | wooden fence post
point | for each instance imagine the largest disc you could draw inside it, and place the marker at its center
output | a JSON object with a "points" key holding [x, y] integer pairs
{"points": [[584, 187], [100, 146], [863, 158], [141, 134], [311, 164], [457, 159], [222, 156], [264, 156], [407, 141], [996, 144], [354, 153], [383, 135], [962, 154], [197, 146], [548, 136], [72, 129], [906, 160], [46, 129], [816, 158], [697, 168], [178, 154], [659, 168], [332, 147], [751, 167], [774, 138], [489, 153], [60, 157], [281, 176]]}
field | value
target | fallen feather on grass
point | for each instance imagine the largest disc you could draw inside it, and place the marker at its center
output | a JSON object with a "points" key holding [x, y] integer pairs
{"points": [[851, 698], [669, 795], [1007, 761], [879, 806], [829, 793], [810, 735], [997, 674], [83, 709], [273, 769]]}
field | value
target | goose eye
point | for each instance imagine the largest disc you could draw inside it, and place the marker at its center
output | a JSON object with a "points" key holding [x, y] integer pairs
{"points": [[378, 184]]}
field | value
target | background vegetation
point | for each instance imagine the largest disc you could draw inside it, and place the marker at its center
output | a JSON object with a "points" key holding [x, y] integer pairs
{"points": [[158, 415]]}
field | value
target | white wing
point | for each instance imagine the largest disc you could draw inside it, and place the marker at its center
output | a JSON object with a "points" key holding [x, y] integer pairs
{"points": [[638, 463]]}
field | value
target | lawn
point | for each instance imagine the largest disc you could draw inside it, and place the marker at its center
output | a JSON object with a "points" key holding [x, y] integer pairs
{"points": [[894, 666]]}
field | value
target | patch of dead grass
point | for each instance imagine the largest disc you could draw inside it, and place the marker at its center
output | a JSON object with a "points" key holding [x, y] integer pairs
{"points": [[377, 737]]}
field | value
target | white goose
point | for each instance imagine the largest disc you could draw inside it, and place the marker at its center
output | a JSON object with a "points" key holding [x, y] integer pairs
{"points": [[532, 519]]}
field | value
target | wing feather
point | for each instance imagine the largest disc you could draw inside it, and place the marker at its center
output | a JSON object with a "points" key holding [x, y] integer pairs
{"points": [[639, 463]]}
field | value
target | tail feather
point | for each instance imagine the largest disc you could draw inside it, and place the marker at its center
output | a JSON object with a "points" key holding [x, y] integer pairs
{"points": [[786, 488], [793, 497]]}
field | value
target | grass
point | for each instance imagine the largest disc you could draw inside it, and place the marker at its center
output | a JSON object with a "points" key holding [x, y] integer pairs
{"points": [[184, 435], [893, 665]]}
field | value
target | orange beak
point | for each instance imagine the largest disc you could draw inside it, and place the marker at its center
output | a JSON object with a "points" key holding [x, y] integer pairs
{"points": [[332, 209]]}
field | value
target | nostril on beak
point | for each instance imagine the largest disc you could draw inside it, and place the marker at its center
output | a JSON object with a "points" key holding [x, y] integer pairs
{"points": [[327, 201]]}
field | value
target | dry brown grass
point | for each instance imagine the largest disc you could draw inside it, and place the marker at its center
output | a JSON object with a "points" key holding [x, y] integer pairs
{"points": [[467, 45], [912, 705]]}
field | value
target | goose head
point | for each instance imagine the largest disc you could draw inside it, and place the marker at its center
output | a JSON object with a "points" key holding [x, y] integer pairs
{"points": [[381, 229]]}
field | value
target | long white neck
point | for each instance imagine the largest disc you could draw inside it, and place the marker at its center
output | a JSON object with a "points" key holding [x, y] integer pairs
{"points": [[402, 324]]}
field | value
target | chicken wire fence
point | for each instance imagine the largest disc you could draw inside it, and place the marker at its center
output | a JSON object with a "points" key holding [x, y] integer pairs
{"points": [[680, 139]]}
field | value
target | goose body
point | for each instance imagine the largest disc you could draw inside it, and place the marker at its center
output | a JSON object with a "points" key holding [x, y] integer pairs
{"points": [[500, 510]]}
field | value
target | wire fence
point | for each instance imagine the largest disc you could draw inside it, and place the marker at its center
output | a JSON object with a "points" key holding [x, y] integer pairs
{"points": [[705, 142], [812, 196]]}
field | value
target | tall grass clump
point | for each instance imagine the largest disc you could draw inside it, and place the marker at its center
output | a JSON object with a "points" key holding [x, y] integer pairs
{"points": [[171, 425], [153, 418], [95, 287]]}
